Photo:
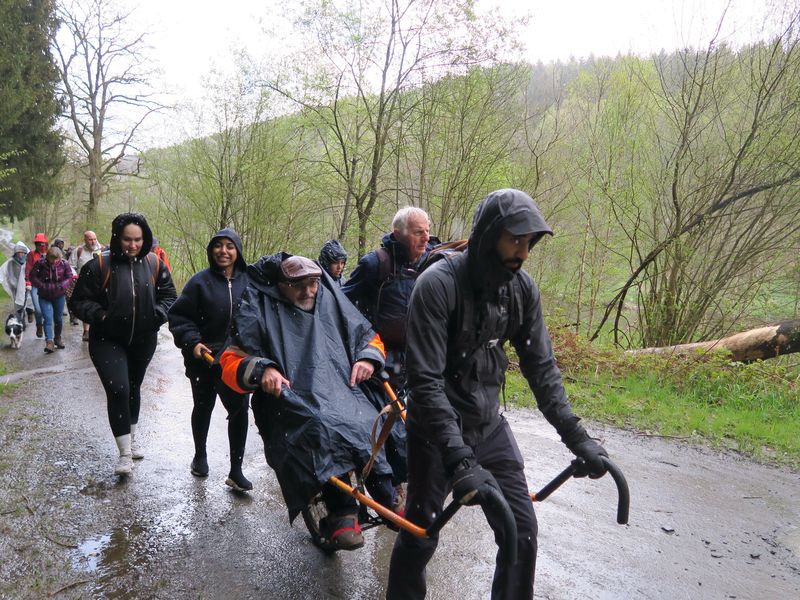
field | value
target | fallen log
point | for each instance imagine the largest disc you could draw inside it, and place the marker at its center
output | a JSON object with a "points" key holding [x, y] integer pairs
{"points": [[756, 344]]}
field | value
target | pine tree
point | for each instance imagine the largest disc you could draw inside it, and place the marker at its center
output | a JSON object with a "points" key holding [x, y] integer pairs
{"points": [[29, 108]]}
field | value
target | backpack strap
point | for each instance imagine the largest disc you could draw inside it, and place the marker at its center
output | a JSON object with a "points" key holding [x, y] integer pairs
{"points": [[385, 266], [104, 261], [154, 270]]}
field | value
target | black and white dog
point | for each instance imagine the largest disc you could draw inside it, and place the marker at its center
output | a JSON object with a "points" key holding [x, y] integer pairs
{"points": [[15, 329]]}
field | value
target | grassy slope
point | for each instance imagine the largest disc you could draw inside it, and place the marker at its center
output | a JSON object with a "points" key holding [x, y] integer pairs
{"points": [[752, 408]]}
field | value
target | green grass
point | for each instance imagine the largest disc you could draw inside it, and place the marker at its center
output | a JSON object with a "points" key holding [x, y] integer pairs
{"points": [[752, 408]]}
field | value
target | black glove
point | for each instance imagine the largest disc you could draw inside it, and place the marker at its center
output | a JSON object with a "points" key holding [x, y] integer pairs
{"points": [[470, 482], [590, 451]]}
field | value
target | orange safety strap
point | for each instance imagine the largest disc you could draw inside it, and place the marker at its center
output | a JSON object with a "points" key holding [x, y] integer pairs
{"points": [[377, 342], [230, 360]]}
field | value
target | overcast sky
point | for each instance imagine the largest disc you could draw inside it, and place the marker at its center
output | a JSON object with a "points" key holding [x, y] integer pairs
{"points": [[189, 36]]}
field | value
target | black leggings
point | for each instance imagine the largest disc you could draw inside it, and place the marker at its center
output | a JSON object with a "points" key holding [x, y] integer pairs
{"points": [[206, 386], [121, 369]]}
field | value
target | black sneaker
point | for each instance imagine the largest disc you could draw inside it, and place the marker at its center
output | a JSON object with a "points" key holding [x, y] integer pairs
{"points": [[199, 466], [238, 482]]}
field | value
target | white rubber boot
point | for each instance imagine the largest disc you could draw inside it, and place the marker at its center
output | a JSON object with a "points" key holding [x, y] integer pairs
{"points": [[125, 462], [136, 451]]}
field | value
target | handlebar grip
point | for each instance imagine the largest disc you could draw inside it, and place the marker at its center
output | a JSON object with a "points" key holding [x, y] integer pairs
{"points": [[495, 500], [443, 518], [623, 493]]}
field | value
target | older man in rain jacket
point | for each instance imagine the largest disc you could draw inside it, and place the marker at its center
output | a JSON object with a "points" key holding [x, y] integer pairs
{"points": [[303, 349], [463, 310]]}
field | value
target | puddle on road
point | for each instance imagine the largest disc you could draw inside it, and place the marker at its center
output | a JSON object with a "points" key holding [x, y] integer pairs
{"points": [[121, 552]]}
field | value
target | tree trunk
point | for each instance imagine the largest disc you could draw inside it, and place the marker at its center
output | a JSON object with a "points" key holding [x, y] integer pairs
{"points": [[755, 344]]}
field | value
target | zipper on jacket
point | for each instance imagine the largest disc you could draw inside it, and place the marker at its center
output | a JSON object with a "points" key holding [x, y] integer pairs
{"points": [[133, 294], [230, 297]]}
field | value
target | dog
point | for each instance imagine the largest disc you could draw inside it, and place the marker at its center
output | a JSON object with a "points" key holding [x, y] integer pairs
{"points": [[15, 329]]}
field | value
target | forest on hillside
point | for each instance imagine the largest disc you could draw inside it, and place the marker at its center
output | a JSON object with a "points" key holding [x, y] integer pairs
{"points": [[672, 181]]}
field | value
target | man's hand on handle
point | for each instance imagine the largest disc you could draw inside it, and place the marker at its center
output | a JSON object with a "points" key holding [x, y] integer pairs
{"points": [[198, 350], [591, 452], [272, 381], [470, 484]]}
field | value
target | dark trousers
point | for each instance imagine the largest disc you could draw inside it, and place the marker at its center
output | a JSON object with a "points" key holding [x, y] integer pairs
{"points": [[121, 369], [206, 386], [427, 488], [341, 504]]}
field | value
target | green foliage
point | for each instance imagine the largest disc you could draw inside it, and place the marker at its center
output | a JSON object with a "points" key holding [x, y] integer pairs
{"points": [[28, 105], [753, 408]]}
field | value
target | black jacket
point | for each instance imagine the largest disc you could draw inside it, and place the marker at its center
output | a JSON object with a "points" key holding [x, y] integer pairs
{"points": [[203, 311], [384, 298], [463, 310], [134, 301]]}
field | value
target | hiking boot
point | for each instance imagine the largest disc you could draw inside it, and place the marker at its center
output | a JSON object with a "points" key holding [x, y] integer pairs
{"points": [[39, 331], [238, 481], [30, 317], [344, 533], [59, 344], [199, 467], [49, 347], [124, 465], [85, 337]]}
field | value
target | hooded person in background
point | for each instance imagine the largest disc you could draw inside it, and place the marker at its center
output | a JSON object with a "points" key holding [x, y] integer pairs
{"points": [[39, 250], [12, 278], [124, 294], [333, 258], [463, 309], [199, 321]]}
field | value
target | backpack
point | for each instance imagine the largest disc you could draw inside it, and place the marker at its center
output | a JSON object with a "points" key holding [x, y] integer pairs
{"points": [[104, 261], [394, 291], [466, 328]]}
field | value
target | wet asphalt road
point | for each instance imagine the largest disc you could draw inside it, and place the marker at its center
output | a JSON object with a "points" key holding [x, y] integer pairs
{"points": [[702, 524]]}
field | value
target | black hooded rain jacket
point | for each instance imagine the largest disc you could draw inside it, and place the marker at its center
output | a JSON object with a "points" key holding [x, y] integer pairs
{"points": [[205, 308], [124, 298], [473, 305]]}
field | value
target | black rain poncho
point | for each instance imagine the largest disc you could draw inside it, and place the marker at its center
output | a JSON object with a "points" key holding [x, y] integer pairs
{"points": [[321, 426]]}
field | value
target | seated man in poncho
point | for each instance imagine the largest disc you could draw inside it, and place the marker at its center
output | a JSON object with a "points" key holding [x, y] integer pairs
{"points": [[303, 349]]}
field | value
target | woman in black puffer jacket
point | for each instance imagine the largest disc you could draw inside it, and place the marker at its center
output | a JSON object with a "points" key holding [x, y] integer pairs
{"points": [[199, 321], [124, 294]]}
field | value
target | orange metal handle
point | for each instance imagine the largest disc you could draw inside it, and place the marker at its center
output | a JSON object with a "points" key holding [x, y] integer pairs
{"points": [[379, 508], [401, 408]]}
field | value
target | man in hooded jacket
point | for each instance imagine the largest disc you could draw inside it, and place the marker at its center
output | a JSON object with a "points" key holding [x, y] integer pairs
{"points": [[463, 309]]}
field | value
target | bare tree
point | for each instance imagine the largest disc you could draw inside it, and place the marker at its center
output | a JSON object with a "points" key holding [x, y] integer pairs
{"points": [[246, 174], [104, 78], [726, 194], [357, 64]]}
